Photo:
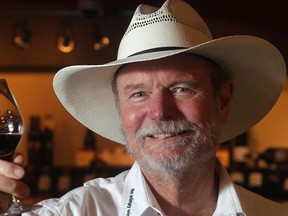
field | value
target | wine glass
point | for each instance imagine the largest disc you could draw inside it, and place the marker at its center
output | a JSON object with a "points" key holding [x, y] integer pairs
{"points": [[11, 131]]}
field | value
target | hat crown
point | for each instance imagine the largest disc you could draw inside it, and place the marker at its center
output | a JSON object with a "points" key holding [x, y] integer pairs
{"points": [[176, 25]]}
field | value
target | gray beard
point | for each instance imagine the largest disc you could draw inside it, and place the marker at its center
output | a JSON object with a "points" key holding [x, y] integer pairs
{"points": [[200, 147]]}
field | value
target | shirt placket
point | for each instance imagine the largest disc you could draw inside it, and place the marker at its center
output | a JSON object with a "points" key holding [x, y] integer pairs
{"points": [[135, 200]]}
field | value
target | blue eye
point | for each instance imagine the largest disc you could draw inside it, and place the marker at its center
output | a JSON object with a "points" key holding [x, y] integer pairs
{"points": [[180, 89], [183, 91], [138, 94]]}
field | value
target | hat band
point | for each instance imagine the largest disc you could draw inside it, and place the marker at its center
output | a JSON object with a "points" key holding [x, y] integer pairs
{"points": [[156, 50]]}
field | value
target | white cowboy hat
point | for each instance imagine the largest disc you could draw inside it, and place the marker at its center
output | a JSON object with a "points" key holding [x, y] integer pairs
{"points": [[257, 66]]}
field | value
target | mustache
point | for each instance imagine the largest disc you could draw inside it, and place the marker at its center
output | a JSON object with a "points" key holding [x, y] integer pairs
{"points": [[173, 127]]}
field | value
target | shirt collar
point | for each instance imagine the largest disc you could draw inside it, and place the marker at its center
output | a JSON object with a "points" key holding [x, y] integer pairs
{"points": [[228, 203], [137, 198]]}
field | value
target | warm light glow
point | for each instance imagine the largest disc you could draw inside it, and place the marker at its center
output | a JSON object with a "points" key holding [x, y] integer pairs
{"points": [[65, 44], [99, 45], [21, 35], [21, 43], [66, 39]]}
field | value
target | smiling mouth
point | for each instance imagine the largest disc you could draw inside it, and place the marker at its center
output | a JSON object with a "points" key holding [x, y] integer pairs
{"points": [[166, 135]]}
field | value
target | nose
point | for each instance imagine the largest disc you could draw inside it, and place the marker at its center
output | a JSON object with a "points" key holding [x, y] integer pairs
{"points": [[162, 106]]}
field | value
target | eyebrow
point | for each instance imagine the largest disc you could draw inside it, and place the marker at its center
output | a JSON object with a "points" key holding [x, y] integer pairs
{"points": [[130, 87], [193, 83], [133, 86]]}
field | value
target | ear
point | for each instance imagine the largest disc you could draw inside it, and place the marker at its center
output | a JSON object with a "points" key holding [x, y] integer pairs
{"points": [[225, 101]]}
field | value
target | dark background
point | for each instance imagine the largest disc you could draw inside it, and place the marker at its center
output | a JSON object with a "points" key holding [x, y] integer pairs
{"points": [[266, 19]]}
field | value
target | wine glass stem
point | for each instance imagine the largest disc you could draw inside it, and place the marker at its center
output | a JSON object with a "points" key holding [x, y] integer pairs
{"points": [[16, 207]]}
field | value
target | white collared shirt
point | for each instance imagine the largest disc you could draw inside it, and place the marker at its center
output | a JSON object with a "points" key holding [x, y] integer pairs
{"points": [[127, 194]]}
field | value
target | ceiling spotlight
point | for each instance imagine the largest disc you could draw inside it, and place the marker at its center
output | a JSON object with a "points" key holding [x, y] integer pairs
{"points": [[66, 42], [102, 43], [21, 35]]}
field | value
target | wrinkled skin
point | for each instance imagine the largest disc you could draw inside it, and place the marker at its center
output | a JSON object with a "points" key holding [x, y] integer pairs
{"points": [[171, 116]]}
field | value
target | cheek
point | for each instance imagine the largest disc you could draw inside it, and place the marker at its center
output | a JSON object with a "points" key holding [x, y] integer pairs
{"points": [[199, 112], [131, 120]]}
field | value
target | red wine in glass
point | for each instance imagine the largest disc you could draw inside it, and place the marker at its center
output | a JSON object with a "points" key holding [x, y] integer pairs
{"points": [[11, 131], [9, 142]]}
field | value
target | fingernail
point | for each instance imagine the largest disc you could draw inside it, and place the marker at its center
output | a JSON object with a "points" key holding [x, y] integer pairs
{"points": [[19, 172]]}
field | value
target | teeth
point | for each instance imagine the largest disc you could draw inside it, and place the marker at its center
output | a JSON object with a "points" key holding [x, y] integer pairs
{"points": [[162, 136]]}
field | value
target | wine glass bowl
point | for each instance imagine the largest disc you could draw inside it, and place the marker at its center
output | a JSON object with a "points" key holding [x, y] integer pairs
{"points": [[11, 122], [11, 131]]}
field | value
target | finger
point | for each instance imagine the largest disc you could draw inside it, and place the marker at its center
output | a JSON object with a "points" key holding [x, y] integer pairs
{"points": [[19, 159], [11, 170], [6, 200], [14, 187]]}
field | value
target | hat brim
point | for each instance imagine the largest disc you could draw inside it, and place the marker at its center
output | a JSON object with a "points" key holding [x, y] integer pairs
{"points": [[257, 66]]}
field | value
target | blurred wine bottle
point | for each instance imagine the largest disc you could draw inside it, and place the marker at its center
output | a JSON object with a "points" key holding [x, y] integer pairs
{"points": [[89, 140], [275, 157], [88, 153], [239, 159], [34, 143], [241, 151], [47, 140]]}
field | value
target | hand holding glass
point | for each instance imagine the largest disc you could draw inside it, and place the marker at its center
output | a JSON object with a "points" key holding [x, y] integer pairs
{"points": [[11, 131]]}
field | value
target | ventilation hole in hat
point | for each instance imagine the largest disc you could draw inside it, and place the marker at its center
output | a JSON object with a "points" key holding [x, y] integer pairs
{"points": [[148, 19]]}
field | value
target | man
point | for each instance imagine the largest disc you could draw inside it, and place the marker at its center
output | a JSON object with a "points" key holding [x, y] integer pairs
{"points": [[176, 94]]}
